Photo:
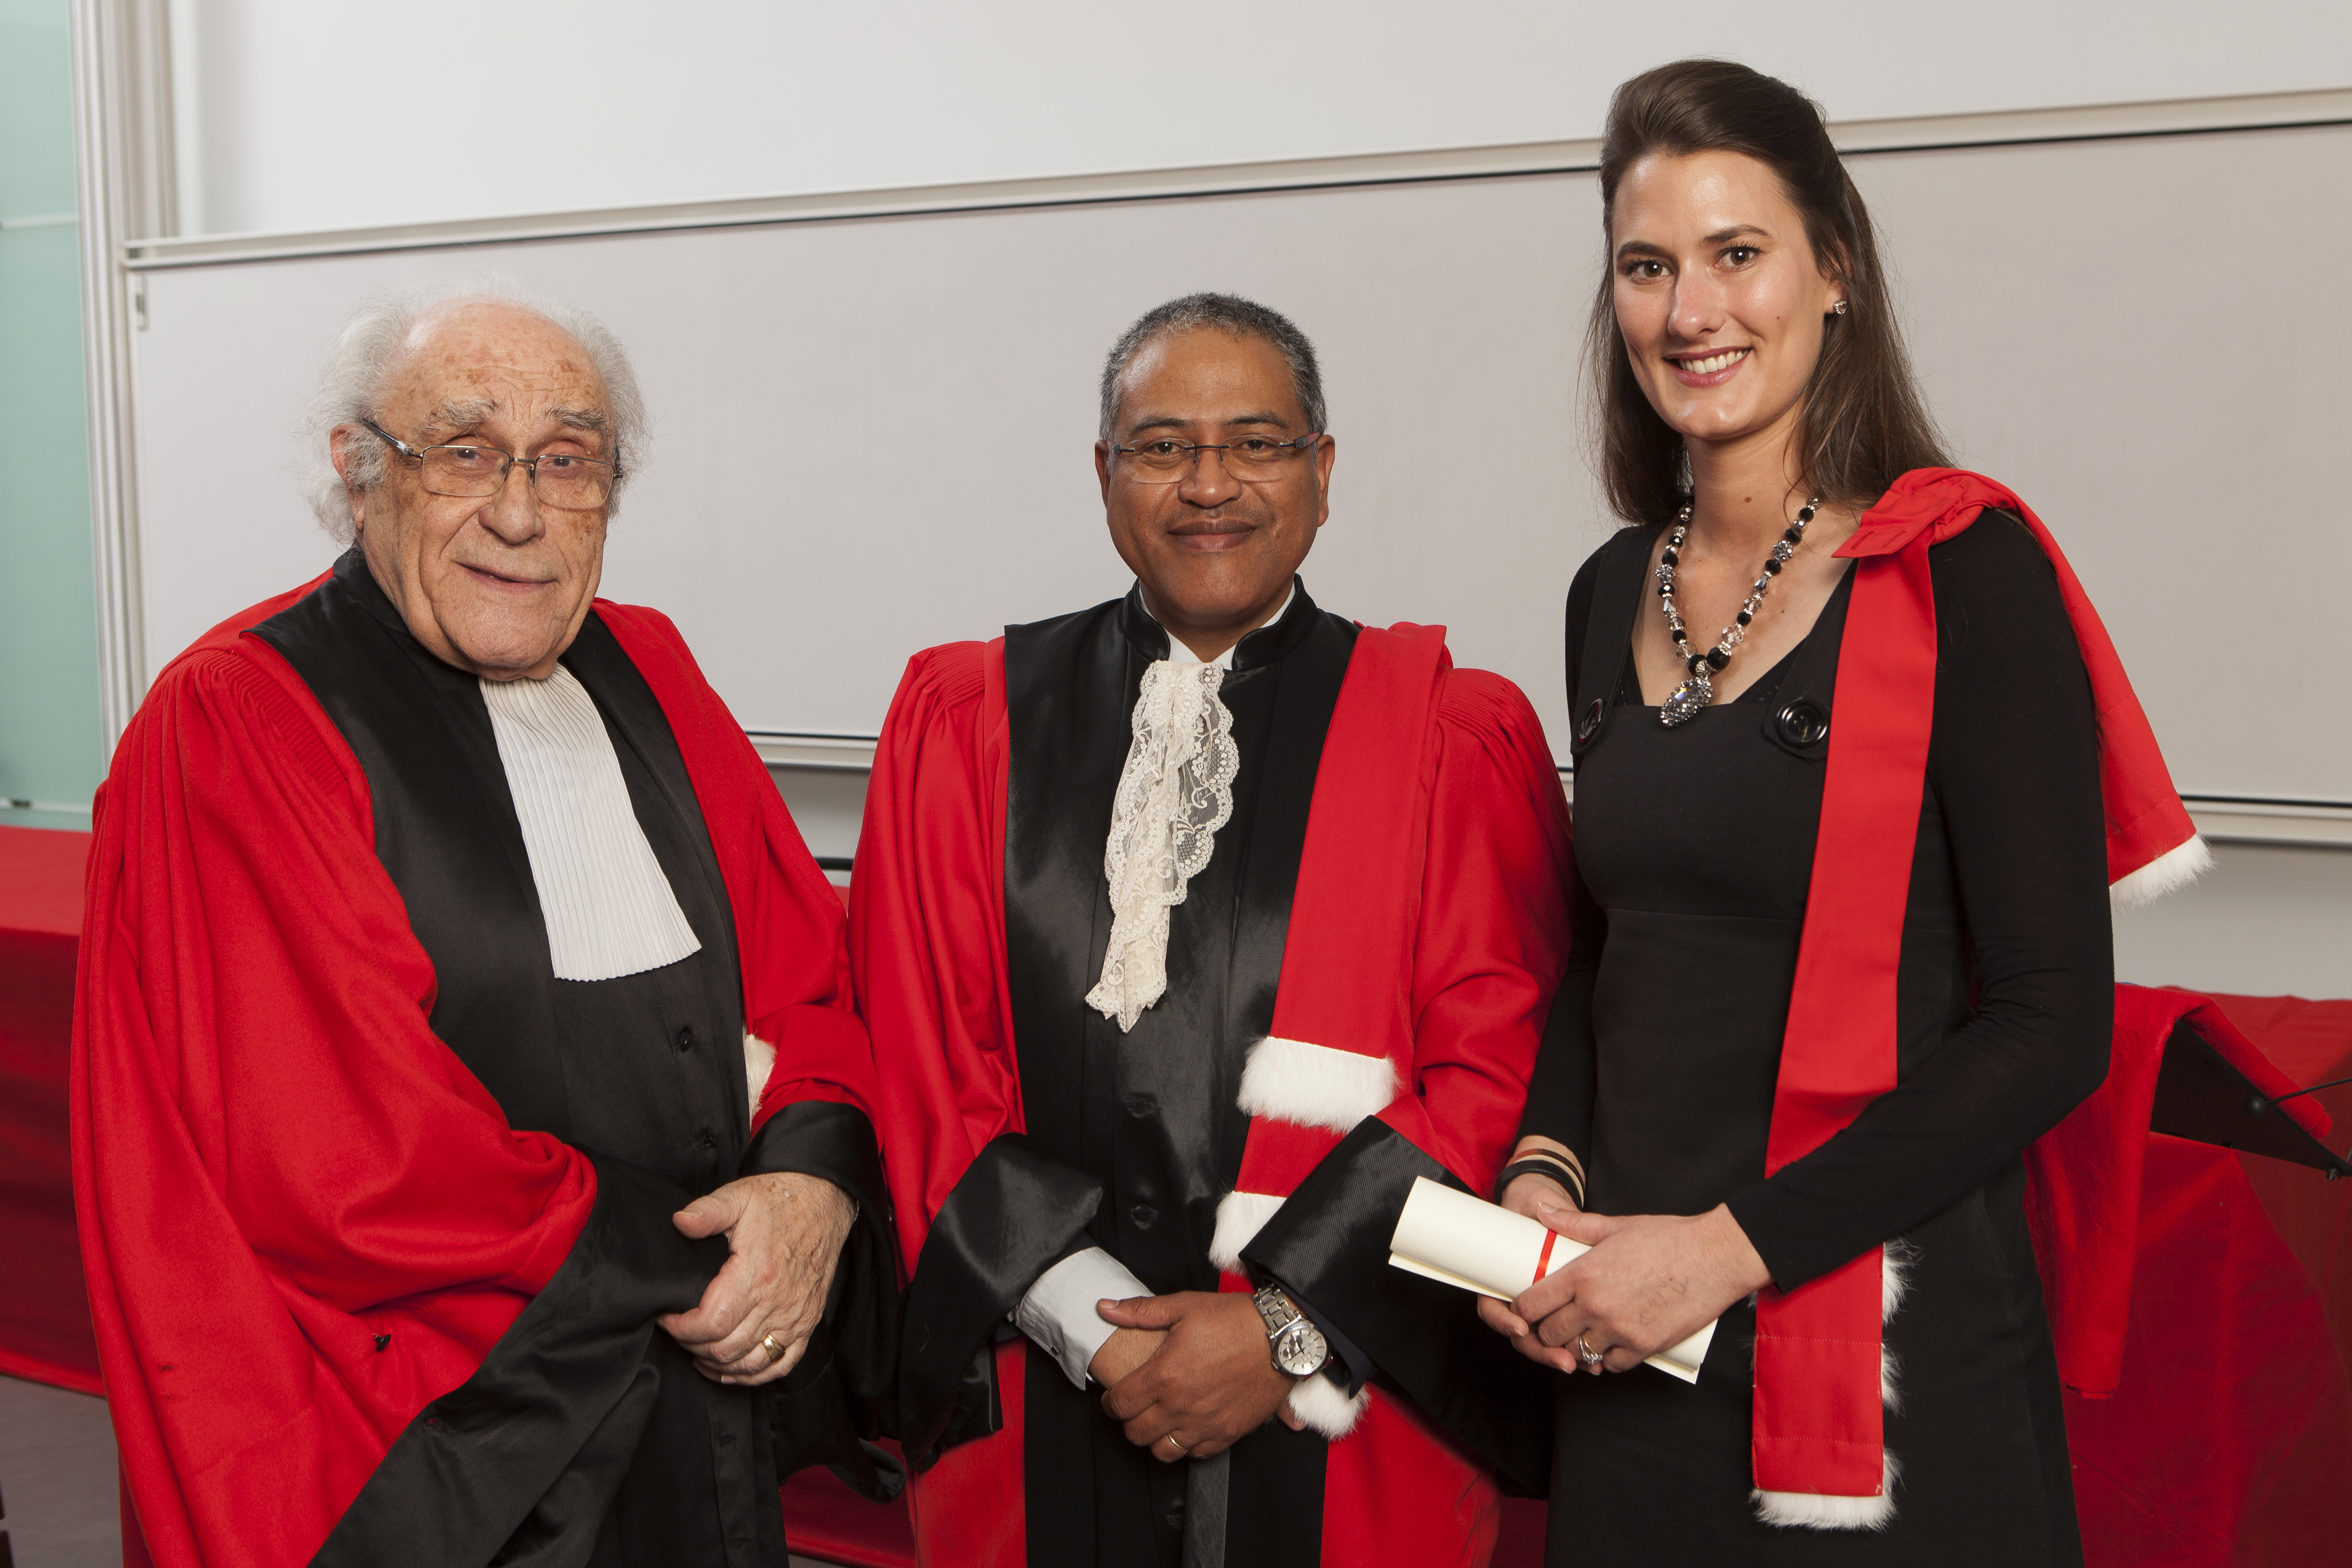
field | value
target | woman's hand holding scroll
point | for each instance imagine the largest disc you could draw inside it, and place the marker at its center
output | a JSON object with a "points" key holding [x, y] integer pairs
{"points": [[1539, 1198], [1650, 1282]]}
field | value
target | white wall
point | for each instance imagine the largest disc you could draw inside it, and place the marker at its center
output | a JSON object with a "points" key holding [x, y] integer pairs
{"points": [[2267, 920], [296, 114]]}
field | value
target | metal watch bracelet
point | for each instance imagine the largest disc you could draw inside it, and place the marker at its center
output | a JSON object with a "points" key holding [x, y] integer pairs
{"points": [[1297, 1346]]}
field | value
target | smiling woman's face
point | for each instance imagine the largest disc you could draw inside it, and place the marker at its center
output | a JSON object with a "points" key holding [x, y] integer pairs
{"points": [[496, 587], [1718, 295]]}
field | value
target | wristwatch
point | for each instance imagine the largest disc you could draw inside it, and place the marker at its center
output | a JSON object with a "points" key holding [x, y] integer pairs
{"points": [[1299, 1346]]}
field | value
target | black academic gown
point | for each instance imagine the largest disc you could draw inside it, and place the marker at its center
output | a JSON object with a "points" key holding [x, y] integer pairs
{"points": [[646, 1073], [1133, 1137]]}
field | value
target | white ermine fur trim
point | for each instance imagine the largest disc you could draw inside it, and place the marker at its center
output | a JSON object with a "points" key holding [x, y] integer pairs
{"points": [[1810, 1510], [1817, 1513], [1318, 1401], [2173, 870], [1239, 1216], [1894, 1277], [1314, 1085], [759, 1061], [1894, 1283]]}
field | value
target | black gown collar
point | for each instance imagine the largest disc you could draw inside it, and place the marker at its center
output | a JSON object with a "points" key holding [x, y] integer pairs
{"points": [[1270, 643], [354, 576]]}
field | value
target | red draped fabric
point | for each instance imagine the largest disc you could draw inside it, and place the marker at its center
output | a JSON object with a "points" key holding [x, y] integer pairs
{"points": [[43, 1322], [2228, 1438], [2085, 1177], [2311, 1042]]}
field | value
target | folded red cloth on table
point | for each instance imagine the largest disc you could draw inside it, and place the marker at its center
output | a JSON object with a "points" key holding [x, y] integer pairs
{"points": [[2084, 1198], [2312, 1040], [2228, 1439], [45, 1334]]}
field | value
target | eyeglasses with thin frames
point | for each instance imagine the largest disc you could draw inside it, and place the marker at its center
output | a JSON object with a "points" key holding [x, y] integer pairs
{"points": [[467, 469], [1253, 459]]}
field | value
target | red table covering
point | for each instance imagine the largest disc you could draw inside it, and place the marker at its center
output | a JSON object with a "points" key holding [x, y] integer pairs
{"points": [[2229, 1441], [45, 1333]]}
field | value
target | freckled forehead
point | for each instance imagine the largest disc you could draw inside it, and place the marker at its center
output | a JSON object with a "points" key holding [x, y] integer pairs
{"points": [[508, 353]]}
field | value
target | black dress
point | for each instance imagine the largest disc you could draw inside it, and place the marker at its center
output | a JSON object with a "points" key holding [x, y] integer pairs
{"points": [[1694, 849]]}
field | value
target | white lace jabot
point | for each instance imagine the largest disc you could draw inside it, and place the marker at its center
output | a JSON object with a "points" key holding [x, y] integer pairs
{"points": [[609, 909], [1175, 792]]}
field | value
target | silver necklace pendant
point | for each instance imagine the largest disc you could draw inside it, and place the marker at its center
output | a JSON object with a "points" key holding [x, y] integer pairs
{"points": [[1685, 701]]}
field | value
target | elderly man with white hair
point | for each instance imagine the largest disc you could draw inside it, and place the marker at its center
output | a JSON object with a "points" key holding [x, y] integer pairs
{"points": [[468, 1111]]}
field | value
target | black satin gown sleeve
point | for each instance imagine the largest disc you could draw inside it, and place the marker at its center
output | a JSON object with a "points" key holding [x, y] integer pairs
{"points": [[1328, 1243], [521, 1461], [1016, 1211]]}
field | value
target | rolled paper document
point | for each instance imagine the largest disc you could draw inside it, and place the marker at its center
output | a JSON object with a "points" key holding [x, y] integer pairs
{"points": [[1459, 1240]]}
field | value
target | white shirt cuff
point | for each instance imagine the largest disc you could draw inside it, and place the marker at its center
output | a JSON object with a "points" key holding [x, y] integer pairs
{"points": [[1058, 1311]]}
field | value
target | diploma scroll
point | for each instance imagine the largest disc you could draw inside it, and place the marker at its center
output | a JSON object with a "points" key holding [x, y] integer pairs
{"points": [[1459, 1240]]}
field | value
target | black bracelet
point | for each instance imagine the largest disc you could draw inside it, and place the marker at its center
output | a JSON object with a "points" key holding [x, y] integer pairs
{"points": [[1550, 1165]]}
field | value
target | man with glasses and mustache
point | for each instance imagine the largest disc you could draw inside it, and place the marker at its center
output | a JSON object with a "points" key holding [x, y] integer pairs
{"points": [[1190, 929], [468, 1111]]}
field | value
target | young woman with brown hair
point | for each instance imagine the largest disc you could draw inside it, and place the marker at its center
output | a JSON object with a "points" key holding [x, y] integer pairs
{"points": [[1842, 946]]}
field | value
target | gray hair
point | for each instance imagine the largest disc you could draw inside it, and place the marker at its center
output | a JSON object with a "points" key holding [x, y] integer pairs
{"points": [[1227, 313], [370, 345]]}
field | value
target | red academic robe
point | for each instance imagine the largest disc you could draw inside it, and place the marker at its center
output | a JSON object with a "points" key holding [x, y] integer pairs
{"points": [[1484, 923], [277, 1164]]}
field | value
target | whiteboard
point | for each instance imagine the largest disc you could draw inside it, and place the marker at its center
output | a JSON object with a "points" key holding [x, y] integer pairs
{"points": [[2135, 334]]}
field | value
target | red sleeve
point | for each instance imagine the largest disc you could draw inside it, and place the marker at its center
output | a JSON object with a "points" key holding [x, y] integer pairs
{"points": [[302, 1218], [1493, 932], [927, 919]]}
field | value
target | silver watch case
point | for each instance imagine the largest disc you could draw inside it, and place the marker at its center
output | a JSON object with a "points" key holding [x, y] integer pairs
{"points": [[1298, 1347]]}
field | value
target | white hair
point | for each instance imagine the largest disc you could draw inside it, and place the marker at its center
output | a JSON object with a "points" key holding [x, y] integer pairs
{"points": [[371, 345]]}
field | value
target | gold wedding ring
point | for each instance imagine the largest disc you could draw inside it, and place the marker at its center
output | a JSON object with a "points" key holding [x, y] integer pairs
{"points": [[1180, 1448], [775, 1351], [1585, 1353]]}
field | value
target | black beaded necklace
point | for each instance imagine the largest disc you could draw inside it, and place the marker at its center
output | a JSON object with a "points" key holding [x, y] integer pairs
{"points": [[1686, 700]]}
